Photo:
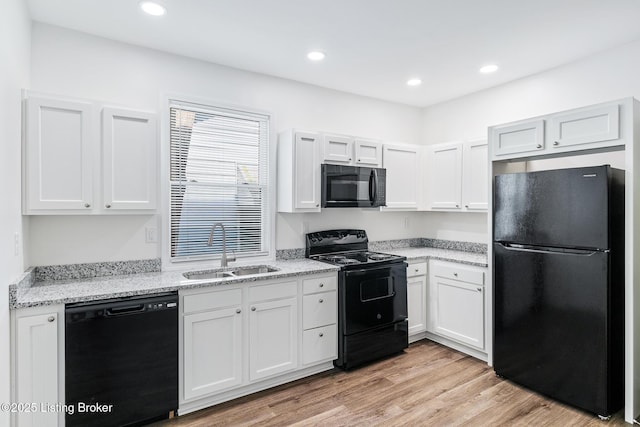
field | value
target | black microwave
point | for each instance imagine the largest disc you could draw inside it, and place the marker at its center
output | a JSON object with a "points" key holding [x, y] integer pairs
{"points": [[353, 187]]}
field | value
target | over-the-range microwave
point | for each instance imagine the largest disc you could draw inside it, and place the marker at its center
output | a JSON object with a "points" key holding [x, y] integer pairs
{"points": [[353, 187]]}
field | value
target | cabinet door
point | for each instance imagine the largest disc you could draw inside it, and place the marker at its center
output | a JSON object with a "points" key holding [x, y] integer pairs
{"points": [[475, 175], [401, 162], [37, 367], [457, 310], [273, 338], [58, 155], [445, 176], [515, 139], [306, 171], [585, 127], [416, 303], [337, 149], [212, 351], [320, 344], [129, 159], [368, 153]]}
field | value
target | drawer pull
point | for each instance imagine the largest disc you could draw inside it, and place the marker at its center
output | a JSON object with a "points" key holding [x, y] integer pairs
{"points": [[479, 289], [556, 143], [50, 319], [238, 311], [321, 285], [417, 270], [539, 146], [455, 274], [321, 301], [253, 309], [320, 334]]}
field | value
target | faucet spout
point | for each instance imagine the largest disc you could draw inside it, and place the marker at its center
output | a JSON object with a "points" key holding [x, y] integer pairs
{"points": [[224, 261]]}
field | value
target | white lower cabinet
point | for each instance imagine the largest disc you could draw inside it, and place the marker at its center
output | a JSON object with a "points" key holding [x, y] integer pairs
{"points": [[38, 365], [417, 297], [242, 339], [273, 343], [213, 342], [457, 303]]}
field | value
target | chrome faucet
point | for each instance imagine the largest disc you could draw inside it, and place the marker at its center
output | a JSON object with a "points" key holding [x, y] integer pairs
{"points": [[224, 261]]}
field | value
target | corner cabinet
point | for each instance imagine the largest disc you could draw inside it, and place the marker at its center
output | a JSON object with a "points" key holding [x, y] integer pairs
{"points": [[403, 176], [458, 176], [298, 181], [457, 306], [242, 339], [37, 361], [81, 157], [588, 128]]}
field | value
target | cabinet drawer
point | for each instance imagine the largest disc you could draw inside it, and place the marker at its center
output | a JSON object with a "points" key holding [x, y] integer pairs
{"points": [[319, 284], [319, 344], [211, 300], [455, 272], [417, 269], [275, 291], [319, 310]]}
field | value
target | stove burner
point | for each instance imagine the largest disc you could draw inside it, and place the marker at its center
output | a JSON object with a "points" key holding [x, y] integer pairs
{"points": [[379, 257]]}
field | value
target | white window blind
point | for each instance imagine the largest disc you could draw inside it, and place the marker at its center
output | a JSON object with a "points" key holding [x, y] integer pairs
{"points": [[219, 174]]}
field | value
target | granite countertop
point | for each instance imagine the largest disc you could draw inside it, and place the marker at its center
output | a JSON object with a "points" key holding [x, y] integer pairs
{"points": [[49, 292], [58, 285], [471, 258]]}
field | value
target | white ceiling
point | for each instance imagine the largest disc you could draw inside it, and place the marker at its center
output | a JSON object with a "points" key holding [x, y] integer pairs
{"points": [[373, 46]]}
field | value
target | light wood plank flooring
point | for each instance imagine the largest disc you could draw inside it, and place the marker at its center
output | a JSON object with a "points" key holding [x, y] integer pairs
{"points": [[428, 385]]}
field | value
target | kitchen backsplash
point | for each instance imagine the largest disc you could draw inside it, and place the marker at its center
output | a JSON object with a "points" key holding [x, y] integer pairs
{"points": [[385, 245], [95, 269]]}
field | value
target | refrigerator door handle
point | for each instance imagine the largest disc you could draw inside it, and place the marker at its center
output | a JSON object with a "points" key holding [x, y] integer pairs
{"points": [[547, 249]]}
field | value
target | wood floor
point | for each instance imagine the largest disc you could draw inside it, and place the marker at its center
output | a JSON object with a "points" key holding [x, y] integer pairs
{"points": [[428, 385]]}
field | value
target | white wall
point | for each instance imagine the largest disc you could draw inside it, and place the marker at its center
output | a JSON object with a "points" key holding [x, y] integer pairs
{"points": [[15, 34], [75, 64], [603, 77]]}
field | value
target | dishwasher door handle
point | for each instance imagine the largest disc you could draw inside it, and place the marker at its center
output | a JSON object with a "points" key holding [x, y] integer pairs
{"points": [[120, 311]]}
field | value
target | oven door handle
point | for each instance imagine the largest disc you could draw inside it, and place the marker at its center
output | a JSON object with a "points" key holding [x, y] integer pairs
{"points": [[366, 270]]}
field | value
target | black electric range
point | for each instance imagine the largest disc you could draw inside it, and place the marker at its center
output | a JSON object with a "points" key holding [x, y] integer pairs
{"points": [[372, 296]]}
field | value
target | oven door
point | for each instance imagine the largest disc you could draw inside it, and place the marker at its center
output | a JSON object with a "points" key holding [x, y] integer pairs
{"points": [[352, 187], [371, 297]]}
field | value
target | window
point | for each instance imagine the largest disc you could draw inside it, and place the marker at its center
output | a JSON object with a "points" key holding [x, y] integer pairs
{"points": [[218, 174]]}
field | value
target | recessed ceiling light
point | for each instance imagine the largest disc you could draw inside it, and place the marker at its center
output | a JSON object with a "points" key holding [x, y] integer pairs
{"points": [[152, 8], [414, 82], [316, 55], [489, 68]]}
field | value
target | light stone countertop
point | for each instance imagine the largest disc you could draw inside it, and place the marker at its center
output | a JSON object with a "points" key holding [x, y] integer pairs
{"points": [[104, 287], [50, 292]]}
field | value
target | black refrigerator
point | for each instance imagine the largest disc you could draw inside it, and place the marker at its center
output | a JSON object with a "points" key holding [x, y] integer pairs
{"points": [[558, 257]]}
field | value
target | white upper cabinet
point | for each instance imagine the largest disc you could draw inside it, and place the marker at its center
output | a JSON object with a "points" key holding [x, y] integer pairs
{"points": [[347, 150], [58, 155], [129, 159], [445, 176], [588, 128], [298, 188], [527, 137], [475, 175], [337, 149], [403, 175], [585, 126], [73, 165], [458, 176], [368, 153]]}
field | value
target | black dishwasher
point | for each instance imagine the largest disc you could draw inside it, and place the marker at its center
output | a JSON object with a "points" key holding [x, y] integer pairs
{"points": [[121, 360]]}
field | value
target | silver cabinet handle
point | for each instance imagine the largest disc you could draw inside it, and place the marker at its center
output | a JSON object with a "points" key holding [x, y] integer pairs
{"points": [[317, 205], [466, 206], [457, 206], [322, 285], [417, 270], [321, 301], [539, 146], [479, 289], [253, 309], [87, 205], [107, 206], [51, 319], [349, 158], [455, 274], [238, 311], [359, 160], [556, 143], [320, 334]]}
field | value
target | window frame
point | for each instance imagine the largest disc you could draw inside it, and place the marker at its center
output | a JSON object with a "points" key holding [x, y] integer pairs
{"points": [[168, 263]]}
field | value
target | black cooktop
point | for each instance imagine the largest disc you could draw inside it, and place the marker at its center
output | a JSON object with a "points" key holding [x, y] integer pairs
{"points": [[346, 248]]}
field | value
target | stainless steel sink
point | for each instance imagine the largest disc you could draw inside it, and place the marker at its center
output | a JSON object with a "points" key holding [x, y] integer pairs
{"points": [[229, 272], [260, 269]]}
